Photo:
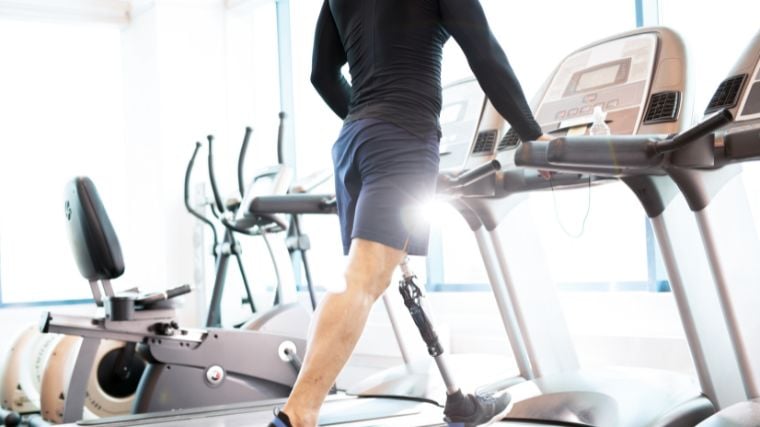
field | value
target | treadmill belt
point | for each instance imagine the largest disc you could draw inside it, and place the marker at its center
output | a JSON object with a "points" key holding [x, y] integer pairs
{"points": [[343, 410], [367, 409], [338, 410]]}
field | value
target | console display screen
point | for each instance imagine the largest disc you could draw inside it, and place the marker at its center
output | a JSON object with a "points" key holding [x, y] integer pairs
{"points": [[597, 78]]}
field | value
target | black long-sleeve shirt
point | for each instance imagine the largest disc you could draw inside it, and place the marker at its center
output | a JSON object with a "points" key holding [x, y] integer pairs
{"points": [[394, 50]]}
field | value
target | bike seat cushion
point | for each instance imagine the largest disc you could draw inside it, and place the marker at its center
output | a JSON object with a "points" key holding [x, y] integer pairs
{"points": [[93, 240]]}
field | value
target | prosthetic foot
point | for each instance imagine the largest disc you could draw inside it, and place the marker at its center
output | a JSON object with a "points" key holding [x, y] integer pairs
{"points": [[476, 409]]}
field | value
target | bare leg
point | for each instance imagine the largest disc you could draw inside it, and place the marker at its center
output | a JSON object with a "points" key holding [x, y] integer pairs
{"points": [[339, 323]]}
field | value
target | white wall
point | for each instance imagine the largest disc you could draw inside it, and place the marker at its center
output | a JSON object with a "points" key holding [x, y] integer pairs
{"points": [[60, 117]]}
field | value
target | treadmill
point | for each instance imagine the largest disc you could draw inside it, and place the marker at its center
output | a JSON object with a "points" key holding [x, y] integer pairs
{"points": [[639, 78], [630, 75], [726, 224], [703, 164]]}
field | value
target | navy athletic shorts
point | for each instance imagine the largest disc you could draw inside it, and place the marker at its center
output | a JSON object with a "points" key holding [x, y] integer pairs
{"points": [[383, 176]]}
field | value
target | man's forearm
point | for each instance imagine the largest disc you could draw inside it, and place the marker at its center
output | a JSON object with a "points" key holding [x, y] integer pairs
{"points": [[497, 77], [334, 90]]}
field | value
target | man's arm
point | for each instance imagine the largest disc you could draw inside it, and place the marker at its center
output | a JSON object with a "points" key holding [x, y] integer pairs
{"points": [[467, 23], [327, 59]]}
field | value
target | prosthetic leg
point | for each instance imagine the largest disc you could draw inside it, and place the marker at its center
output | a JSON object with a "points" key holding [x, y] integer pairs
{"points": [[460, 410], [413, 300]]}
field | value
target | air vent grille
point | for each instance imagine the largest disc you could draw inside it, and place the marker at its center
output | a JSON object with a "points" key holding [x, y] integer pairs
{"points": [[727, 94], [663, 107], [510, 140], [485, 142]]}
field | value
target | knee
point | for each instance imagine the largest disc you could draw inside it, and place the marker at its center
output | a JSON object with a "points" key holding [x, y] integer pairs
{"points": [[370, 268], [371, 284]]}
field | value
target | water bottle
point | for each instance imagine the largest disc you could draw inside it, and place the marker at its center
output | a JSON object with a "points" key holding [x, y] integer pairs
{"points": [[599, 127]]}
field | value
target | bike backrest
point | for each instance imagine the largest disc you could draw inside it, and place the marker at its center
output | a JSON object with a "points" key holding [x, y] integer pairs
{"points": [[93, 240]]}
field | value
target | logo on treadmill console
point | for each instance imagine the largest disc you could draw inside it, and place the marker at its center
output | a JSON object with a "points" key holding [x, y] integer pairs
{"points": [[68, 211], [215, 375]]}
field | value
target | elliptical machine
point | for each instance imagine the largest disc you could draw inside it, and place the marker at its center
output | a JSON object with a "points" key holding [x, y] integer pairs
{"points": [[286, 315]]}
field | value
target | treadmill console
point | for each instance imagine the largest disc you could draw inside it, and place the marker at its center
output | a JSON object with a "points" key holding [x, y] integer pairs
{"points": [[637, 78], [470, 127], [614, 76]]}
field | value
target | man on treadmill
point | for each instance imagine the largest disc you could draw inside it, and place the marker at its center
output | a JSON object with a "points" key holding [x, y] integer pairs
{"points": [[386, 162]]}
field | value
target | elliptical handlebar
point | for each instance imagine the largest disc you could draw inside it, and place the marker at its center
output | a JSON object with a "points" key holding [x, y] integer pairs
{"points": [[212, 176], [188, 172], [188, 206], [280, 139], [241, 161]]}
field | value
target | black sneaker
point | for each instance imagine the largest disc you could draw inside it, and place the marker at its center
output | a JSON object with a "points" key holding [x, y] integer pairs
{"points": [[280, 419], [476, 410]]}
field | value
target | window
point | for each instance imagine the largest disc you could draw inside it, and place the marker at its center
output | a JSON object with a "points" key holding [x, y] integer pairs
{"points": [[253, 81], [316, 128], [535, 41], [62, 116], [715, 34]]}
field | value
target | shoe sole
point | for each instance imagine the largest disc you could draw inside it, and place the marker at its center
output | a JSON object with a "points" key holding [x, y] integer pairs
{"points": [[497, 417], [500, 415]]}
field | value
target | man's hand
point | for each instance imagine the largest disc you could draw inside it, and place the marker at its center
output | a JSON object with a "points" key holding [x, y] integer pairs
{"points": [[544, 173]]}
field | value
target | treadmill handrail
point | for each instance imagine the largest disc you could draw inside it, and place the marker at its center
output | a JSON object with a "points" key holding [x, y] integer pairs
{"points": [[448, 184], [712, 123], [625, 151]]}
